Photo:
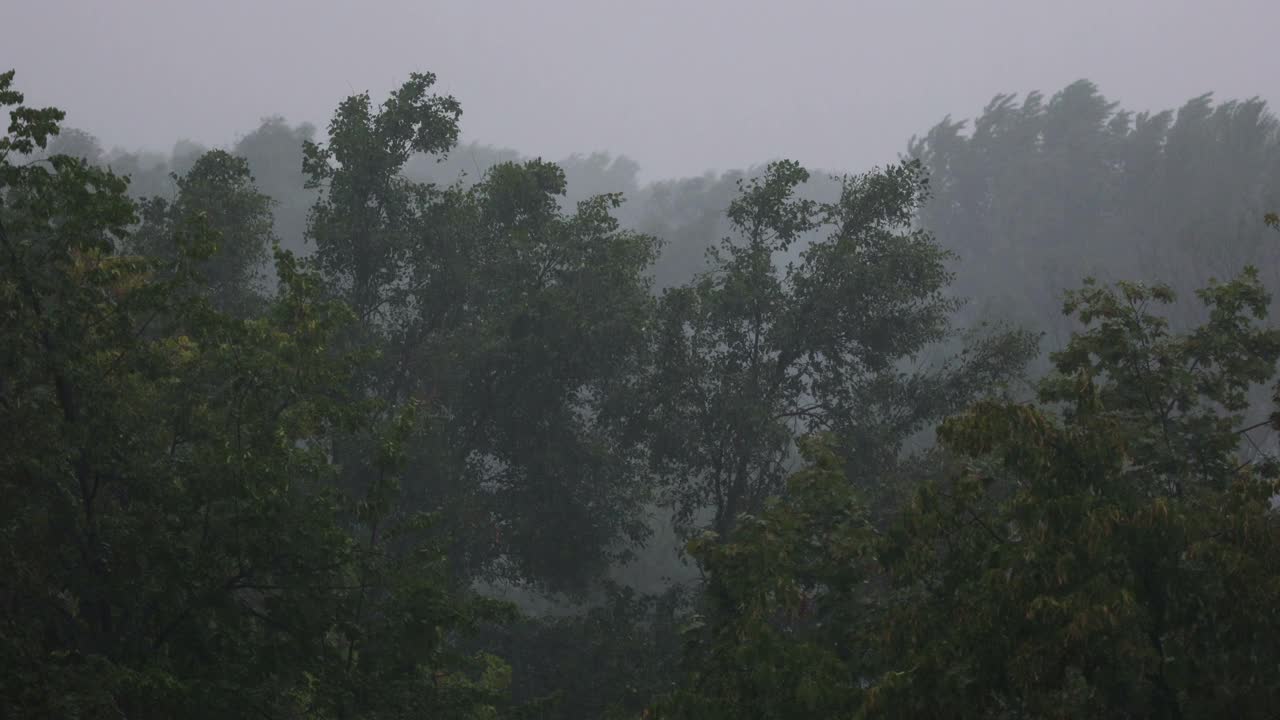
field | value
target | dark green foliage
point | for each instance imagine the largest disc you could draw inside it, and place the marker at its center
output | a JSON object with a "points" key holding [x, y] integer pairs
{"points": [[173, 543], [608, 661], [226, 497], [363, 225], [1116, 558], [532, 372], [1111, 563], [753, 355], [784, 615], [516, 323]]}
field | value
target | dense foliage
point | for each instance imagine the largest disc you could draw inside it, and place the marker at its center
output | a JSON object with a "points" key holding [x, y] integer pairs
{"points": [[174, 543], [1105, 553], [242, 481], [752, 356]]}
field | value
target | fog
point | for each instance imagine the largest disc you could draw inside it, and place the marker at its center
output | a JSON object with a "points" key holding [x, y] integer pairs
{"points": [[680, 87], [591, 360]]}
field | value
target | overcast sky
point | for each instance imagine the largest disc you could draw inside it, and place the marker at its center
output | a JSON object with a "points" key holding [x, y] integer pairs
{"points": [[680, 86]]}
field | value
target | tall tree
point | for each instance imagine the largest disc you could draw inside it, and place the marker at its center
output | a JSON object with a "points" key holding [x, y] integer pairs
{"points": [[518, 323], [216, 201], [173, 541], [1108, 552], [364, 223], [1111, 553], [752, 355], [783, 627]]}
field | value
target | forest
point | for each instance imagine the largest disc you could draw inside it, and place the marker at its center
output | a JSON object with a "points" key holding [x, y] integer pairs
{"points": [[370, 423]]}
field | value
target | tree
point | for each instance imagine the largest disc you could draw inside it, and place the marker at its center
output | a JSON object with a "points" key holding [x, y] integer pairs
{"points": [[548, 313], [78, 144], [216, 200], [364, 224], [785, 616], [752, 356], [1105, 553], [1112, 558], [274, 153], [1043, 191], [608, 660], [173, 540], [520, 325]]}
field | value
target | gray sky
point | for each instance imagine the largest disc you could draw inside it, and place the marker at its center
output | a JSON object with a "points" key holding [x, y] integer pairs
{"points": [[680, 86]]}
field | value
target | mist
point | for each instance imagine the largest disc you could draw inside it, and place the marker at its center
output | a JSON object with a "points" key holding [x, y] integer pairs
{"points": [[589, 360], [680, 88]]}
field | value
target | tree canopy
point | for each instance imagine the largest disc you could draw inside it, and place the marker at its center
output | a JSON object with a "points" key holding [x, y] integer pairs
{"points": [[404, 468]]}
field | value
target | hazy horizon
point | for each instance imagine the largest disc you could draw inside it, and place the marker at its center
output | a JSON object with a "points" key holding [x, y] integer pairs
{"points": [[680, 89]]}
